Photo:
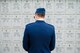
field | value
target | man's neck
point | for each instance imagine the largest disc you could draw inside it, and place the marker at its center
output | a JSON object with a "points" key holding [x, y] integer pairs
{"points": [[40, 19]]}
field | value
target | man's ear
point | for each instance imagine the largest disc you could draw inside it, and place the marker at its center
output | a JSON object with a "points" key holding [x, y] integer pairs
{"points": [[34, 17]]}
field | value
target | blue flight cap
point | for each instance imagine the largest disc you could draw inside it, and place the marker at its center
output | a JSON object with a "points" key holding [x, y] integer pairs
{"points": [[40, 11]]}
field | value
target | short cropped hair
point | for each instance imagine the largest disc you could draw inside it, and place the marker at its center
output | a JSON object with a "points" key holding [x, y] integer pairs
{"points": [[40, 15]]}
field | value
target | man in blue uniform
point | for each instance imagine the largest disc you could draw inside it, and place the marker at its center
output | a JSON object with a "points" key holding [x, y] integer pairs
{"points": [[39, 36]]}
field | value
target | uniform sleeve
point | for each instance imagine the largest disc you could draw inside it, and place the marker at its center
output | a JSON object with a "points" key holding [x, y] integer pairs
{"points": [[26, 39], [52, 42]]}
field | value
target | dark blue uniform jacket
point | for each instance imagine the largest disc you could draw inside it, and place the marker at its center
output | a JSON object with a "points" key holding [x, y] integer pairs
{"points": [[39, 37]]}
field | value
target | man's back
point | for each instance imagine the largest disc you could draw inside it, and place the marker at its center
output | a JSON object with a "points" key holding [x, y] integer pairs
{"points": [[39, 37]]}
